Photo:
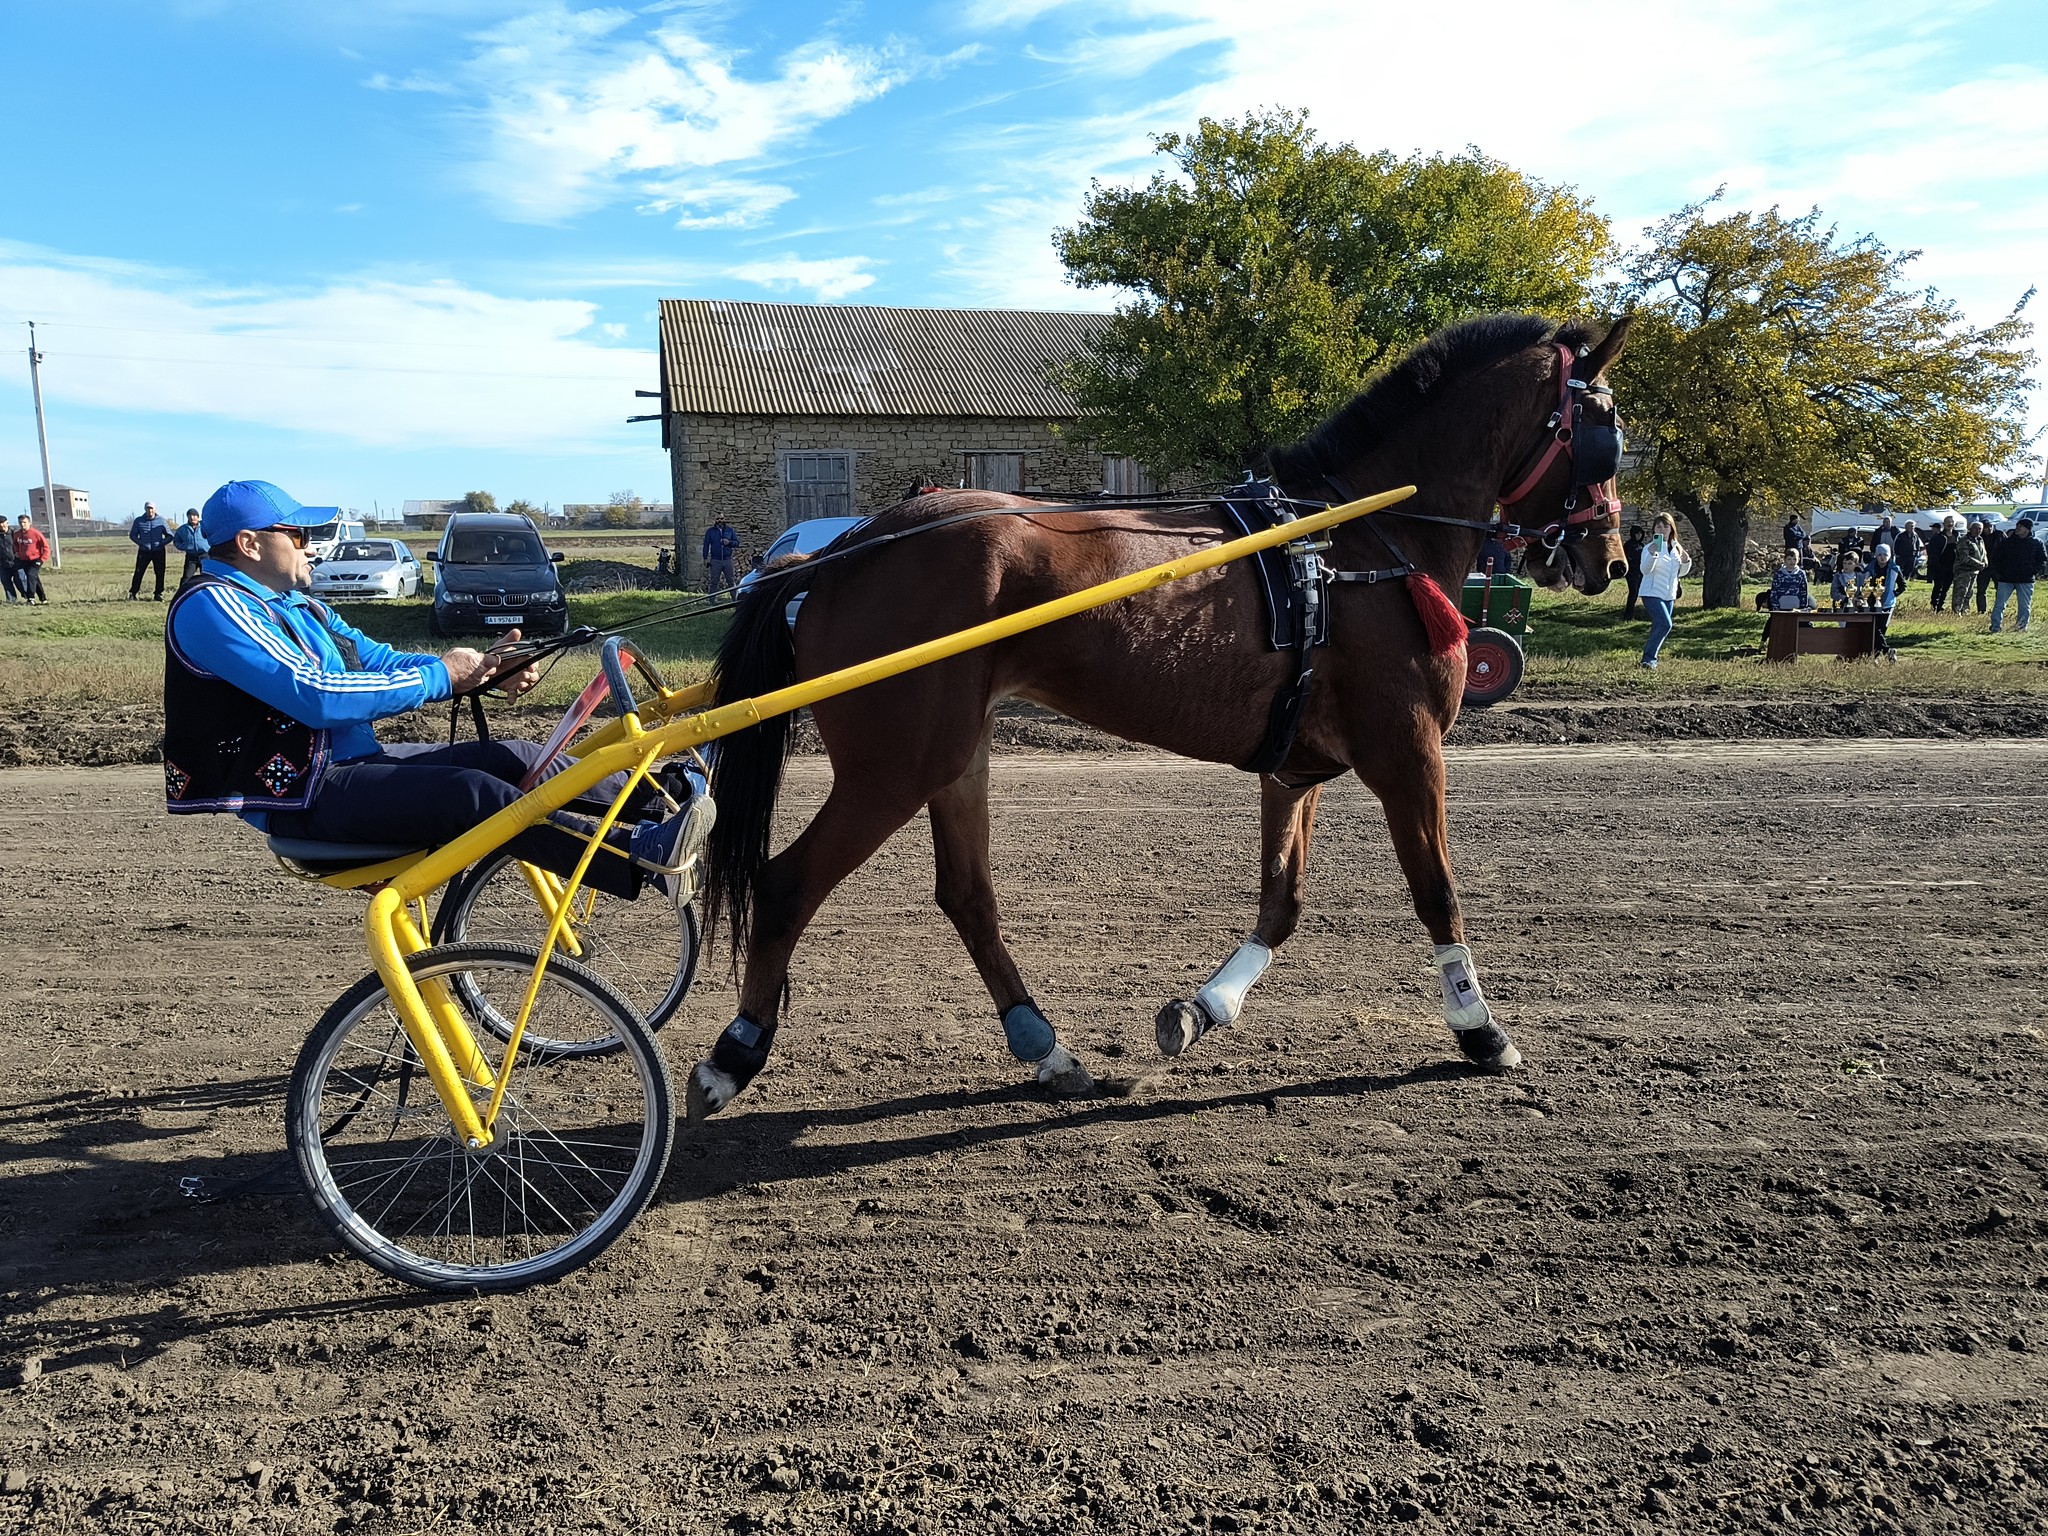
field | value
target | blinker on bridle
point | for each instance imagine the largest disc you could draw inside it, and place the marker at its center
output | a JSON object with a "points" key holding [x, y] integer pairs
{"points": [[1595, 455]]}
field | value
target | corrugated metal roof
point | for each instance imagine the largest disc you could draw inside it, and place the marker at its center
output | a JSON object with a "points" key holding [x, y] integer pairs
{"points": [[739, 359]]}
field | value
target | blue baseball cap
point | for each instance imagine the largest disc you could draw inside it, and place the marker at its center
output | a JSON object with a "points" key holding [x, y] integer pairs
{"points": [[244, 504]]}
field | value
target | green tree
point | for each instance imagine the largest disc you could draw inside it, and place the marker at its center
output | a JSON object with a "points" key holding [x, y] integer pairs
{"points": [[1272, 273], [479, 501], [1774, 366], [523, 508]]}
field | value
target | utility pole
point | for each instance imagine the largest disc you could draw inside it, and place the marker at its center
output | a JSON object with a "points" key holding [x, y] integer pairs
{"points": [[35, 378]]}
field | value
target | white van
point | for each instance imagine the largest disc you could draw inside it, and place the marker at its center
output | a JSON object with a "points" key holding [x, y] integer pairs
{"points": [[321, 538]]}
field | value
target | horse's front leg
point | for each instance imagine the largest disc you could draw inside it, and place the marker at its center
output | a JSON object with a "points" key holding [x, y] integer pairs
{"points": [[1287, 819], [1413, 799]]}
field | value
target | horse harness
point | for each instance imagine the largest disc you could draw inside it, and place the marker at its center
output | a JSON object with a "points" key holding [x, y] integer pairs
{"points": [[1296, 581]]}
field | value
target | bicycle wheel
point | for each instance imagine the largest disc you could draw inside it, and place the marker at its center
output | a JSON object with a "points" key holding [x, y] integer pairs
{"points": [[581, 1140], [646, 949]]}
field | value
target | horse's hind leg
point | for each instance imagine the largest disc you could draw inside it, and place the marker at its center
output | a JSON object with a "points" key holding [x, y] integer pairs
{"points": [[859, 815], [966, 893], [1287, 819], [1413, 799]]}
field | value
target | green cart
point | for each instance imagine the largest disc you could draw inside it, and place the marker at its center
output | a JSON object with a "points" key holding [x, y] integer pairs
{"points": [[1497, 611]]}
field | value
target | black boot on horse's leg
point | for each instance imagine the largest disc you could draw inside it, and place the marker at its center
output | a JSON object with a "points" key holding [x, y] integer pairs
{"points": [[740, 1052]]}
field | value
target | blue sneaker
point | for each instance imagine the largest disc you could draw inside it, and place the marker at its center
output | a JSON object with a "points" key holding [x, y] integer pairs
{"points": [[672, 850]]}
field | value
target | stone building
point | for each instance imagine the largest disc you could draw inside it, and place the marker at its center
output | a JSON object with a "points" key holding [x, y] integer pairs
{"points": [[775, 413]]}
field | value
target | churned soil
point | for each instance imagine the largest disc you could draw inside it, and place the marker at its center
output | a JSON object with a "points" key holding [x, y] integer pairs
{"points": [[1756, 1241]]}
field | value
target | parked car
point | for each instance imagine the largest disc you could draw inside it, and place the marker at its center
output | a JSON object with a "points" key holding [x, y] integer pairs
{"points": [[805, 538], [491, 574], [321, 538], [366, 568]]}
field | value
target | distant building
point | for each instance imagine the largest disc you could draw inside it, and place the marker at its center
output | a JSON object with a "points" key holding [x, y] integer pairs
{"points": [[73, 505], [774, 413], [431, 513]]}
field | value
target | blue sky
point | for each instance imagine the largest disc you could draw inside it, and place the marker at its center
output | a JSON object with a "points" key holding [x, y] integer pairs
{"points": [[404, 248]]}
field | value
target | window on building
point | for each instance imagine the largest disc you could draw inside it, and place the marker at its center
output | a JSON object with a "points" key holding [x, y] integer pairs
{"points": [[817, 485], [1126, 477], [995, 471]]}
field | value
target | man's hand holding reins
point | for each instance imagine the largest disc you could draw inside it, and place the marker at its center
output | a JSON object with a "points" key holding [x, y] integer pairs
{"points": [[471, 671]]}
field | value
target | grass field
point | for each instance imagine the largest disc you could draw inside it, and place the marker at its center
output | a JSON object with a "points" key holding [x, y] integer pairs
{"points": [[93, 646]]}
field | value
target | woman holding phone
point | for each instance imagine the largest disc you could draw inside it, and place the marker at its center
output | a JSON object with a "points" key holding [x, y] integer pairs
{"points": [[1663, 561]]}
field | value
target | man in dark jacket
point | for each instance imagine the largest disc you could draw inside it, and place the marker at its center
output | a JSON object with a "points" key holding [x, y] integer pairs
{"points": [[151, 536], [1941, 561], [1632, 550], [1993, 537], [1906, 551], [190, 542], [2015, 564]]}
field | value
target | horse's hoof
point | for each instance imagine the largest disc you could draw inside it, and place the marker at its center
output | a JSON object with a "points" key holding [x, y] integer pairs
{"points": [[709, 1091], [1488, 1046], [1062, 1075], [1179, 1025]]}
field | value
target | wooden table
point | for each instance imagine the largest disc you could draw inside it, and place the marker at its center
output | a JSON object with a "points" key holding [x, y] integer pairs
{"points": [[1850, 633]]}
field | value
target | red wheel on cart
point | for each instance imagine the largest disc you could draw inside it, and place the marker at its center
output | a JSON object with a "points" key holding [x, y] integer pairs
{"points": [[1493, 666]]}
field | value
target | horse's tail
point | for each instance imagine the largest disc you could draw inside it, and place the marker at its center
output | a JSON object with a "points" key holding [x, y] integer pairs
{"points": [[755, 657]]}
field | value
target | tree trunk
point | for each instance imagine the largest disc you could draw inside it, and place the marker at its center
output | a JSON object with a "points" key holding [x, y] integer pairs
{"points": [[1723, 529]]}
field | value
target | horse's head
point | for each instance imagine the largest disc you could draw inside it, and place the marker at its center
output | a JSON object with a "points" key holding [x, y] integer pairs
{"points": [[1562, 492]]}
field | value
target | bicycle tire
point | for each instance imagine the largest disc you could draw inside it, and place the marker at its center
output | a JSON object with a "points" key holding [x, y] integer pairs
{"points": [[491, 904], [388, 1175]]}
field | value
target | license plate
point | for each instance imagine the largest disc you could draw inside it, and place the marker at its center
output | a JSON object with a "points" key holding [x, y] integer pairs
{"points": [[504, 618]]}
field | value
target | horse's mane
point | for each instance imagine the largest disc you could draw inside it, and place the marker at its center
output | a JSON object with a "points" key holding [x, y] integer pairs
{"points": [[1393, 399]]}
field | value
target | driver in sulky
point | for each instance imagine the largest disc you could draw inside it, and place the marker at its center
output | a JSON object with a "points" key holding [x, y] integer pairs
{"points": [[269, 700]]}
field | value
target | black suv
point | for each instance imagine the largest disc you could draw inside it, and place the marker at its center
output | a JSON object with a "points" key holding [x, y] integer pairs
{"points": [[491, 574]]}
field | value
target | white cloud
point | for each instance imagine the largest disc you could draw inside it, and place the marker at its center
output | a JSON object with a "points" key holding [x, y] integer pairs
{"points": [[392, 364], [578, 112], [413, 82], [827, 278], [718, 204]]}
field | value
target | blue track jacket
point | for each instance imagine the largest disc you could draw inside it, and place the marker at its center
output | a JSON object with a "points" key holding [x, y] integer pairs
{"points": [[240, 637]]}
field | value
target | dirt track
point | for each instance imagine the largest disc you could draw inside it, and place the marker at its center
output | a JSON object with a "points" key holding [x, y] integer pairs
{"points": [[1757, 1240]]}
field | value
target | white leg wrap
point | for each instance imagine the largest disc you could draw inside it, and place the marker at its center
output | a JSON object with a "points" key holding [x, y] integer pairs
{"points": [[1464, 1006], [1222, 996]]}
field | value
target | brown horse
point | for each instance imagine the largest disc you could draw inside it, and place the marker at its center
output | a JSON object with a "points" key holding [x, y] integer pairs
{"points": [[1471, 416]]}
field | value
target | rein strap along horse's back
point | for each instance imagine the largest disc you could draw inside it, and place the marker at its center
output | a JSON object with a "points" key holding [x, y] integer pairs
{"points": [[1509, 411]]}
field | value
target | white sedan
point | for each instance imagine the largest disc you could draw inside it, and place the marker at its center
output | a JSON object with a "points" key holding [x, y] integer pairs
{"points": [[367, 568]]}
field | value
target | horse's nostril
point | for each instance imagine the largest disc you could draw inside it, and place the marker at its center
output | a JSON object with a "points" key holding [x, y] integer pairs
{"points": [[1617, 570]]}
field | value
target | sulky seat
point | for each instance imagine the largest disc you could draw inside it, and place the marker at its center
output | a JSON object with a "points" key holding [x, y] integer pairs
{"points": [[331, 858]]}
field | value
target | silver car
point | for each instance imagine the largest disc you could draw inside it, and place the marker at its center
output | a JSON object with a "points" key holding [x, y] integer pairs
{"points": [[367, 568]]}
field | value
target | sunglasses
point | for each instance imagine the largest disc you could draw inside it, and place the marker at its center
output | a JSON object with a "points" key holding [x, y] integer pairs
{"points": [[296, 535]]}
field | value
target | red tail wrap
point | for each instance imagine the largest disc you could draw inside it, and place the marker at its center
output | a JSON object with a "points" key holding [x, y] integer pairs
{"points": [[1446, 626]]}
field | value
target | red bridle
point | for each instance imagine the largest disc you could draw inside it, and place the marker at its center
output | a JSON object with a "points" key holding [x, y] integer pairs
{"points": [[1558, 432]]}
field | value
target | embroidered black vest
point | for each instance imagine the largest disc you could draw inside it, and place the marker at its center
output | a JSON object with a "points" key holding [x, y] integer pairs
{"points": [[226, 750]]}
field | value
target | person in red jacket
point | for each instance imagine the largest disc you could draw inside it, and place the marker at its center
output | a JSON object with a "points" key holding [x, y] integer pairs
{"points": [[31, 549]]}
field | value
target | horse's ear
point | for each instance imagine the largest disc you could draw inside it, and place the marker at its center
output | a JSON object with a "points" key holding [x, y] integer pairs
{"points": [[1609, 349]]}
